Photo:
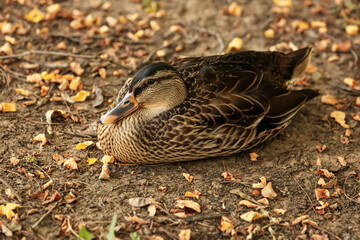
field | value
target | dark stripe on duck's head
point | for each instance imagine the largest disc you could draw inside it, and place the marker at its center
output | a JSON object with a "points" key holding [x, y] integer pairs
{"points": [[149, 70]]}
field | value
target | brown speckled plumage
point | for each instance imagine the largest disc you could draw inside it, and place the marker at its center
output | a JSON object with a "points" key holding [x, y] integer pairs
{"points": [[231, 103]]}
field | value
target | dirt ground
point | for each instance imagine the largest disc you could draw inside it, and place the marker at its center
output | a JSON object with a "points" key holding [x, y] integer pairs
{"points": [[290, 161]]}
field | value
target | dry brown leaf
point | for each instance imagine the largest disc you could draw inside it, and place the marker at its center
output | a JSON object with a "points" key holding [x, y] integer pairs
{"points": [[254, 156], [35, 15], [23, 92], [299, 219], [256, 193], [280, 211], [52, 10], [321, 182], [264, 201], [352, 30], [227, 175], [311, 68], [344, 46], [81, 96], [318, 24], [76, 68], [47, 184], [188, 204], [70, 198], [357, 102], [155, 26], [247, 204], [270, 33], [7, 107], [320, 148], [299, 26], [152, 210], [136, 219], [102, 73], [74, 84], [356, 116], [7, 28], [14, 161], [226, 224], [261, 184], [41, 138], [321, 193], [339, 118], [235, 44], [44, 91], [107, 159], [235, 9], [71, 164], [350, 82], [268, 191], [333, 58], [319, 237], [58, 159], [283, 3], [34, 78], [78, 23], [342, 161], [188, 177], [325, 173], [329, 99], [251, 216], [6, 48], [185, 234], [105, 172], [55, 196], [194, 194]]}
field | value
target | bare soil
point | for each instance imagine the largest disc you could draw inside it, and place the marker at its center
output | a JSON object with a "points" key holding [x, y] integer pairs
{"points": [[290, 161]]}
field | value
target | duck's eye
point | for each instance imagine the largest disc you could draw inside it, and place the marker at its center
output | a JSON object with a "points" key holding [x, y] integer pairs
{"points": [[150, 81]]}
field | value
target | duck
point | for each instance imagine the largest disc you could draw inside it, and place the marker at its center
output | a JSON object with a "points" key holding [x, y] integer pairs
{"points": [[202, 107]]}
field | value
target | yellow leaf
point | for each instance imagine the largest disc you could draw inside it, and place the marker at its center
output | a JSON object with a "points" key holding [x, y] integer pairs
{"points": [[8, 107], [253, 156], [23, 92], [283, 3], [189, 204], [41, 138], [235, 44], [270, 33], [84, 145], [107, 159], [235, 9], [81, 96], [339, 118], [226, 224], [7, 210], [251, 216], [35, 15], [91, 161], [352, 30], [262, 184]]}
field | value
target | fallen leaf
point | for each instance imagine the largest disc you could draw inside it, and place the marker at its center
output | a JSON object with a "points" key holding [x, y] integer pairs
{"points": [[58, 159], [342, 161], [47, 184], [102, 73], [329, 99], [185, 234], [188, 204], [23, 92], [333, 58], [320, 148], [235, 9], [280, 211], [61, 45], [155, 26], [350, 82], [251, 216], [193, 194], [9, 194], [105, 172], [136, 219], [321, 193], [357, 103], [283, 3], [8, 209], [268, 191], [253, 156], [339, 118], [71, 164], [76, 68], [84, 145], [141, 201], [319, 237], [299, 219], [318, 24], [7, 107], [235, 44], [311, 68], [35, 15], [270, 33], [344, 46], [227, 175], [325, 173], [299, 26], [44, 90], [264, 201], [321, 182], [55, 196], [70, 198], [152, 210], [261, 184], [256, 193], [34, 78], [188, 177], [52, 10], [161, 188], [75, 83], [91, 161], [107, 159], [356, 116], [247, 204], [14, 161], [81, 96], [175, 28], [226, 224], [41, 138], [352, 30]]}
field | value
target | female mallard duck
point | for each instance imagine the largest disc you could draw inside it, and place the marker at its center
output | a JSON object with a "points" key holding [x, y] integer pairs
{"points": [[204, 106]]}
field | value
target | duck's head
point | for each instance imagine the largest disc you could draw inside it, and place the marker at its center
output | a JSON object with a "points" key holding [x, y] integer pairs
{"points": [[154, 89]]}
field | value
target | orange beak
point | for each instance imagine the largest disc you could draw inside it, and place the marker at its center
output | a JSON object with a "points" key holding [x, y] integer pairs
{"points": [[127, 106]]}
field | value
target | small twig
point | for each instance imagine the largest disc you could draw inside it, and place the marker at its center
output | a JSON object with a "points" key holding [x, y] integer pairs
{"points": [[11, 189], [203, 216], [45, 215], [214, 33], [347, 196], [20, 55], [71, 229], [307, 195]]}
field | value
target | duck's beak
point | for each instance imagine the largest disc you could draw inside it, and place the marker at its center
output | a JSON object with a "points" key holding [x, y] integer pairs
{"points": [[127, 106]]}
